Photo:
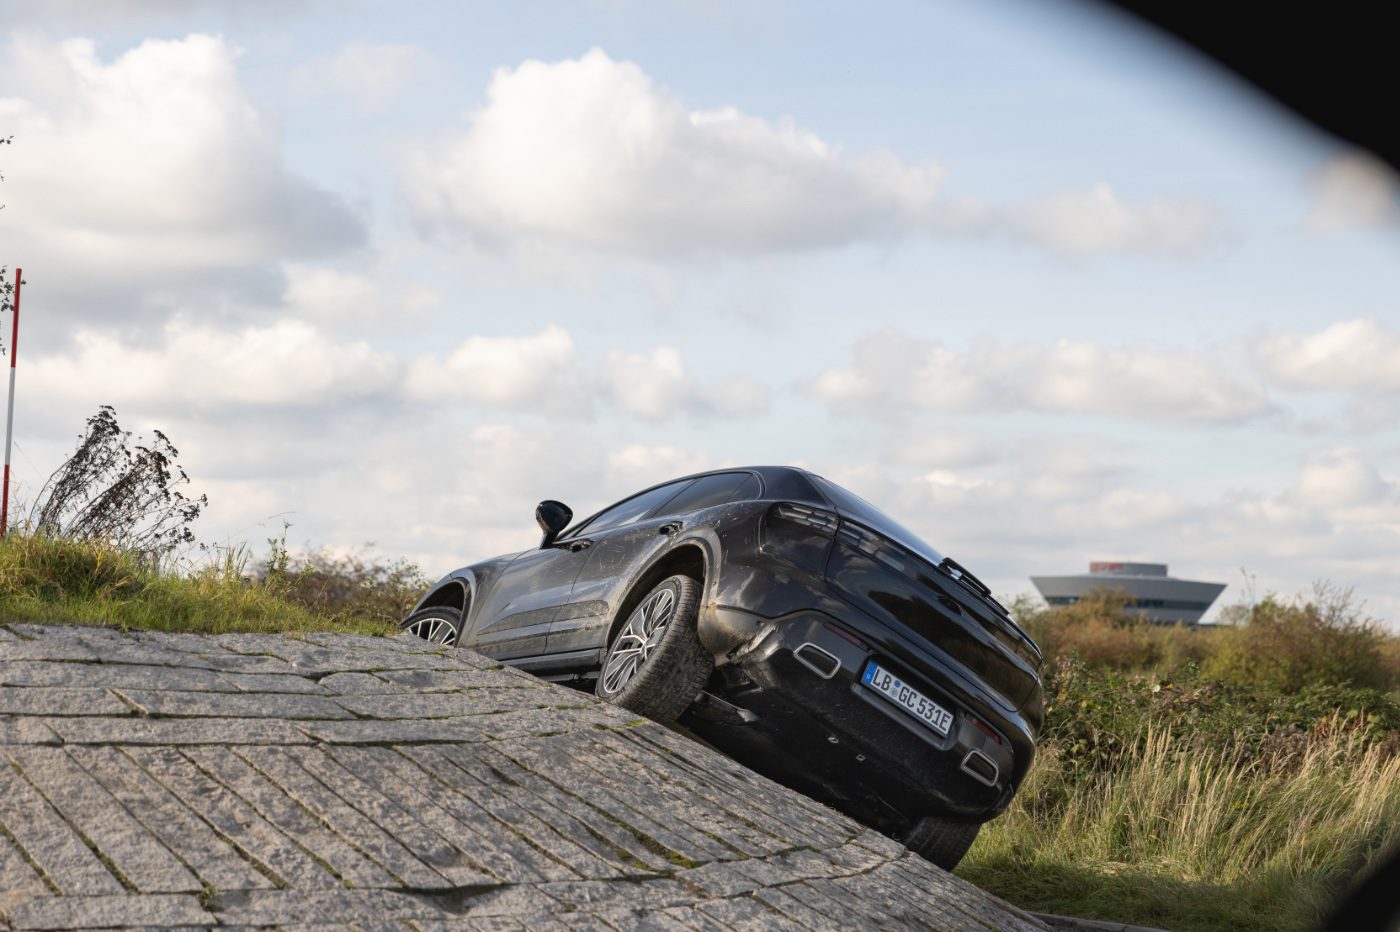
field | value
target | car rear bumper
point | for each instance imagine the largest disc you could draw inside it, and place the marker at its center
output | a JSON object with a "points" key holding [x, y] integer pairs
{"points": [[793, 705]]}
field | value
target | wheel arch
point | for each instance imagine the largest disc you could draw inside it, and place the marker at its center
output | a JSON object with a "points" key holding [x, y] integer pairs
{"points": [[687, 558], [453, 592]]}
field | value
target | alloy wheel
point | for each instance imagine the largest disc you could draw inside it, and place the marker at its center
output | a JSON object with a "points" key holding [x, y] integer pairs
{"points": [[638, 639], [434, 630]]}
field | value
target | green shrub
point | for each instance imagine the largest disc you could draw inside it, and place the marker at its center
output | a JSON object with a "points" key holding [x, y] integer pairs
{"points": [[1102, 630], [351, 586], [1094, 716], [1290, 644]]}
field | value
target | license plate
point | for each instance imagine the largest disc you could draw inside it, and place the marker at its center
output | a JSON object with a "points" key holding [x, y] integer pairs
{"points": [[908, 698]]}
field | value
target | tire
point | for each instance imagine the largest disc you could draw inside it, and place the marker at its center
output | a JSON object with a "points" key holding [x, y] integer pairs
{"points": [[440, 625], [655, 665], [942, 840]]}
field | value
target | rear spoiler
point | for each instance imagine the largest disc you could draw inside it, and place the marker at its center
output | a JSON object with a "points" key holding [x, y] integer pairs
{"points": [[959, 572]]}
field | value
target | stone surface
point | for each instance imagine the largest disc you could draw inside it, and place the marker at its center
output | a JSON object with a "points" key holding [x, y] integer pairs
{"points": [[163, 781]]}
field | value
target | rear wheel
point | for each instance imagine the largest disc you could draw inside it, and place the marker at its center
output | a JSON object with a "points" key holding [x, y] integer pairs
{"points": [[656, 664], [440, 625], [942, 840]]}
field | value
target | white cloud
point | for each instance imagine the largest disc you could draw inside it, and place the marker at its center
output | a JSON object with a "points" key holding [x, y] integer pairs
{"points": [[637, 466], [1343, 478], [284, 364], [369, 74], [1354, 190], [543, 373], [148, 173], [539, 372], [654, 384], [334, 296], [1359, 355], [590, 152], [1097, 221], [894, 370]]}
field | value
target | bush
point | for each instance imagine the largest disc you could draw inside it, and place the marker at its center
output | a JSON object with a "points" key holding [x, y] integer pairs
{"points": [[1290, 644], [346, 587], [1094, 716], [109, 492], [1101, 630]]}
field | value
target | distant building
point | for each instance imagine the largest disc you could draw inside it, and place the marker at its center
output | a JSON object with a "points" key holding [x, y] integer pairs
{"points": [[1151, 592]]}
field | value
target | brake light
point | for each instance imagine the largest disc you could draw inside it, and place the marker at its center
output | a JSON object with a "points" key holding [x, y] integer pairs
{"points": [[987, 730], [842, 633], [808, 516]]}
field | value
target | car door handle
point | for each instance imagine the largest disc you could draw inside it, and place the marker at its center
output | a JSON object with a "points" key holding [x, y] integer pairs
{"points": [[576, 545], [669, 529]]}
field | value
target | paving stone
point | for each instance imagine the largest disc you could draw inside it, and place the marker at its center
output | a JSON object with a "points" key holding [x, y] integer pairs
{"points": [[172, 703], [435, 731], [289, 907], [536, 821], [403, 823], [431, 681], [105, 675], [290, 818], [24, 729], [174, 823], [272, 683], [348, 822], [439, 805], [257, 840], [22, 700], [18, 879], [242, 663], [448, 705], [535, 723], [718, 880], [49, 841], [362, 684], [102, 820], [46, 649], [176, 731], [570, 816], [747, 914], [570, 761], [98, 912], [467, 796], [805, 915]]}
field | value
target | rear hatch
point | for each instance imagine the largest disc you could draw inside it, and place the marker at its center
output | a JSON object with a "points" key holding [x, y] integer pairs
{"points": [[894, 576]]}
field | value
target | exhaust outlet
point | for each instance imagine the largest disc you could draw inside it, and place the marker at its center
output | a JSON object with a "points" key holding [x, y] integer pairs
{"points": [[980, 767], [821, 662]]}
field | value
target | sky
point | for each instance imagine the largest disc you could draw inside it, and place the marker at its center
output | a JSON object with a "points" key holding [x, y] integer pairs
{"points": [[1044, 285]]}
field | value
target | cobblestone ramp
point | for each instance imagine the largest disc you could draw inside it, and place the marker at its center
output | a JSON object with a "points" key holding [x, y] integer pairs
{"points": [[154, 779]]}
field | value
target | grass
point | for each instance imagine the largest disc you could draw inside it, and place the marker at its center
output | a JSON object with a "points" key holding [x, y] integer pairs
{"points": [[48, 579], [1184, 840]]}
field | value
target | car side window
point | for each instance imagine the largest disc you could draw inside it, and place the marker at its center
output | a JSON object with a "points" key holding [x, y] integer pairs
{"points": [[632, 510], [707, 491], [748, 490]]}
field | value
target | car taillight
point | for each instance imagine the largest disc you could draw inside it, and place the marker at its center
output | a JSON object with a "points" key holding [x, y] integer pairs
{"points": [[808, 516]]}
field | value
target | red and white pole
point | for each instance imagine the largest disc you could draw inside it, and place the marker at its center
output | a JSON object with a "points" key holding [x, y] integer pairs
{"points": [[10, 416]]}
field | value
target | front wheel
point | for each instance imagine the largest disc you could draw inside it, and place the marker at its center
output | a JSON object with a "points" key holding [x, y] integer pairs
{"points": [[942, 840], [656, 665], [440, 625]]}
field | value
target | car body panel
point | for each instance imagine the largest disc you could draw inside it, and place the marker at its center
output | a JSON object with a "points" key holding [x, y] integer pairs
{"points": [[790, 567]]}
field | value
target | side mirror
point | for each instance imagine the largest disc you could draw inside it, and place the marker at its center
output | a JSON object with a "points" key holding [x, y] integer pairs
{"points": [[552, 517]]}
